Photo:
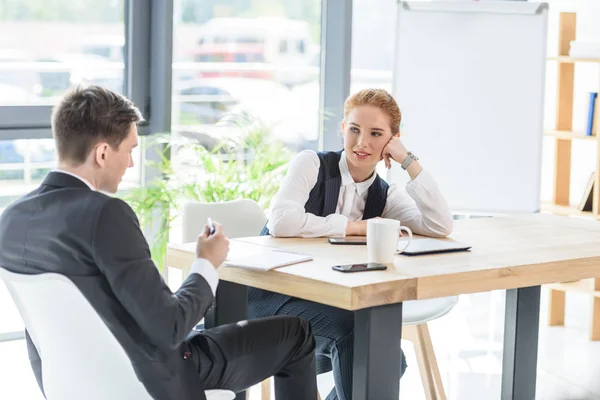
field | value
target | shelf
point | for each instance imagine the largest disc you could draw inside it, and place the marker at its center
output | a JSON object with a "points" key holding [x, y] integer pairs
{"points": [[562, 169], [570, 211], [583, 286], [572, 60], [569, 135]]}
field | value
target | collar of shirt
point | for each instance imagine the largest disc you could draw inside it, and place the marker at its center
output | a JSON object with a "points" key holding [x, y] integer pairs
{"points": [[361, 187], [62, 171]]}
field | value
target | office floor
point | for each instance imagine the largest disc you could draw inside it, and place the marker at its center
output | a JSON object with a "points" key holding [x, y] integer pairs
{"points": [[468, 344]]}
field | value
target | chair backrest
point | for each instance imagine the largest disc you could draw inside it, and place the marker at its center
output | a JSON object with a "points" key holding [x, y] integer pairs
{"points": [[239, 218], [80, 356]]}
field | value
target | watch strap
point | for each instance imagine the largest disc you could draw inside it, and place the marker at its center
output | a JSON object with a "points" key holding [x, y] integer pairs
{"points": [[408, 160]]}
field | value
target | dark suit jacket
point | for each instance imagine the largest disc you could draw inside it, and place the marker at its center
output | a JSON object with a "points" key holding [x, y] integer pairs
{"points": [[95, 240]]}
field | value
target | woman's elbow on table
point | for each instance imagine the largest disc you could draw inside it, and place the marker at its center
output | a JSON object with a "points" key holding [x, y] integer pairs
{"points": [[444, 228], [439, 228]]}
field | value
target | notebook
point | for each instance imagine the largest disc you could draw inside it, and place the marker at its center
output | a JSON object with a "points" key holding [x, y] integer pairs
{"points": [[267, 260]]}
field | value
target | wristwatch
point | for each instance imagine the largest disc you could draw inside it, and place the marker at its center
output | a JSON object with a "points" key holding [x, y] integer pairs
{"points": [[408, 160]]}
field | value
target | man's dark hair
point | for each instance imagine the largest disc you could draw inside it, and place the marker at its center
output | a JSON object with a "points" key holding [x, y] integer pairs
{"points": [[86, 116]]}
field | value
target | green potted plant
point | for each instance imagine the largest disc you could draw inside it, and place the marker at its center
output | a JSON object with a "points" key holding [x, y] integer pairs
{"points": [[247, 163]]}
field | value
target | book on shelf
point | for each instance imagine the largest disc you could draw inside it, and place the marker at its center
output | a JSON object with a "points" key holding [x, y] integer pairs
{"points": [[595, 118], [585, 204], [592, 115]]}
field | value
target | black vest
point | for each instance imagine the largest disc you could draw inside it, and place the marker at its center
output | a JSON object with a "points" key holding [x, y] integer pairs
{"points": [[322, 201], [323, 197]]}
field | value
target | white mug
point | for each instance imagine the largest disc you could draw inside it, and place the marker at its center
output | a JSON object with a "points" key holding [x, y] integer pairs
{"points": [[382, 239]]}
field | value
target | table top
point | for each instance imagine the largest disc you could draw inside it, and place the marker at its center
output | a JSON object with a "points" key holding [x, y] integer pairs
{"points": [[508, 252]]}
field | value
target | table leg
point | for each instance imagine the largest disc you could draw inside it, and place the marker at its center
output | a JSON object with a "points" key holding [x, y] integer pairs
{"points": [[231, 305], [377, 355], [521, 327]]}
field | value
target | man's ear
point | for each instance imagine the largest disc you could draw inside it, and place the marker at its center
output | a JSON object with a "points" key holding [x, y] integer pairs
{"points": [[101, 153]]}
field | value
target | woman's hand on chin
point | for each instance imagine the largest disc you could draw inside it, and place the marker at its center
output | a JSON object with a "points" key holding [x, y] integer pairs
{"points": [[394, 150]]}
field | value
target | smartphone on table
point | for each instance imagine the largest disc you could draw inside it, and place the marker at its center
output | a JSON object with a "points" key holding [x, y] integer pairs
{"points": [[359, 267]]}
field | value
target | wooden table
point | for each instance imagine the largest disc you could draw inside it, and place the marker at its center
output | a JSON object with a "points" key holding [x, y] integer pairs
{"points": [[517, 253]]}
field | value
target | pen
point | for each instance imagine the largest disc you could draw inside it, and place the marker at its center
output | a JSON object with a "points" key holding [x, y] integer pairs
{"points": [[211, 227]]}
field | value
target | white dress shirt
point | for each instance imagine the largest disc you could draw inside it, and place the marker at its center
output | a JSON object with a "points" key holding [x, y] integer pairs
{"points": [[200, 266], [421, 207]]}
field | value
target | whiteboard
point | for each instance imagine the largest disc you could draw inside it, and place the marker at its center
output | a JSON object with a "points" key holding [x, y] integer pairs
{"points": [[469, 78]]}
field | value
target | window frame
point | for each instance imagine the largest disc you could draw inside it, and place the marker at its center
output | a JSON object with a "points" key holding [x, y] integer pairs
{"points": [[336, 45]]}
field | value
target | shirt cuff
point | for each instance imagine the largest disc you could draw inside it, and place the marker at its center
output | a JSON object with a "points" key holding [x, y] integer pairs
{"points": [[339, 223], [205, 269]]}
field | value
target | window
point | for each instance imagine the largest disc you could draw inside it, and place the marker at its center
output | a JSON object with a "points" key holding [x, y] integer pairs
{"points": [[210, 58], [236, 39], [203, 103], [82, 44], [248, 57], [249, 39], [223, 39], [25, 162], [241, 55], [283, 46]]}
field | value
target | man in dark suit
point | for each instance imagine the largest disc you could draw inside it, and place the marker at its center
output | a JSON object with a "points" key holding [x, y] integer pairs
{"points": [[68, 226]]}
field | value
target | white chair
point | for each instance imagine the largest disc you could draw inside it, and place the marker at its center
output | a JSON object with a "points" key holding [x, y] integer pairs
{"points": [[415, 315], [62, 325], [239, 218]]}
